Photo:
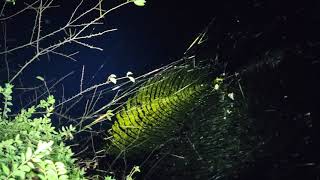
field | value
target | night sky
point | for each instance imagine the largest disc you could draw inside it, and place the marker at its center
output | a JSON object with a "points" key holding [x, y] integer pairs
{"points": [[159, 33], [147, 37], [152, 36]]}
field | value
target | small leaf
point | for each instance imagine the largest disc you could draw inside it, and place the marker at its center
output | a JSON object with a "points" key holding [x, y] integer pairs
{"points": [[17, 138], [40, 78], [109, 115], [136, 169], [72, 128], [20, 174], [51, 99], [22, 157], [59, 165], [43, 146], [28, 153], [25, 168], [109, 178], [231, 96], [131, 79], [112, 78], [36, 159], [139, 2], [31, 165], [48, 161], [216, 86], [60, 168], [129, 73], [5, 169], [14, 166], [64, 177], [41, 176]]}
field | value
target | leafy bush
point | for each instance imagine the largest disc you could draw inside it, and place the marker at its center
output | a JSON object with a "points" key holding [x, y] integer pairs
{"points": [[30, 147]]}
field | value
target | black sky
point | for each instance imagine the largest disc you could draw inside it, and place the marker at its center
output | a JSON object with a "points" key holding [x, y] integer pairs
{"points": [[147, 37], [154, 35]]}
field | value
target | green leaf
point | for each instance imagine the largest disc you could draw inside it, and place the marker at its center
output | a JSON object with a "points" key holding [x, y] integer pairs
{"points": [[40, 78], [139, 2], [60, 168], [25, 168], [51, 173], [51, 99], [5, 169], [109, 115], [64, 177], [28, 153], [17, 138], [22, 157], [21, 174], [31, 165], [48, 161], [109, 178], [41, 176], [136, 169], [72, 128], [14, 166], [44, 146]]}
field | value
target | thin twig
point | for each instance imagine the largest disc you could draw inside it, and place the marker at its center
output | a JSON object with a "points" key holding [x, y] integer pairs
{"points": [[81, 80]]}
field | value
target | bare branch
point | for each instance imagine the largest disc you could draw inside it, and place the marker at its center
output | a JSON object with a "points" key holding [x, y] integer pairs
{"points": [[5, 47], [19, 12], [88, 45], [71, 37], [81, 80], [96, 34]]}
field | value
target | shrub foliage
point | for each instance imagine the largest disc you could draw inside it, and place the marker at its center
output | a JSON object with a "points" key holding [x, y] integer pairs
{"points": [[30, 147]]}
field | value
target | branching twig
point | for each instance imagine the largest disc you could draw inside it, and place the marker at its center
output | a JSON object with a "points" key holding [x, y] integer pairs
{"points": [[75, 37]]}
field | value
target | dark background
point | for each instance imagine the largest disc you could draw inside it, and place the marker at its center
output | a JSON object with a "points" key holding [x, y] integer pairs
{"points": [[147, 37], [159, 33], [152, 36]]}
